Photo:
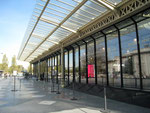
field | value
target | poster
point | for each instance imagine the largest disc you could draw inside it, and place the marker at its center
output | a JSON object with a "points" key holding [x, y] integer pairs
{"points": [[91, 71]]}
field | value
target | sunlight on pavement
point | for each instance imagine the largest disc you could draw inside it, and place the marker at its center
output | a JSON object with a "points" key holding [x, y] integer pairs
{"points": [[47, 102], [79, 110]]}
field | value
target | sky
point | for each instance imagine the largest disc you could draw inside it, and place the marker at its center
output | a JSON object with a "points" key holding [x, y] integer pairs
{"points": [[14, 19]]}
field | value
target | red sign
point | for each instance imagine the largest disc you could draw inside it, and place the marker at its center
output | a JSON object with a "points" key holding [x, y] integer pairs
{"points": [[90, 70]]}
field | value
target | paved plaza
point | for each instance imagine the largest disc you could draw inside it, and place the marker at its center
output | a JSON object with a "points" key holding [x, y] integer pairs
{"points": [[36, 97]]}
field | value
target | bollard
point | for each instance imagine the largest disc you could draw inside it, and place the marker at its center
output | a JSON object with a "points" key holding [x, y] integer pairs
{"points": [[20, 84], [73, 98], [58, 87], [53, 86], [14, 84], [105, 102]]}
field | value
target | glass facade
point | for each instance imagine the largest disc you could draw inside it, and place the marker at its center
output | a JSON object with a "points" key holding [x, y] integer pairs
{"points": [[77, 65], [144, 40], [101, 60], [113, 59], [91, 63], [70, 66], [83, 64], [122, 56]]}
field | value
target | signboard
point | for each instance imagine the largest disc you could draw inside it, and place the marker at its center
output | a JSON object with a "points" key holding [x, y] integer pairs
{"points": [[90, 70]]}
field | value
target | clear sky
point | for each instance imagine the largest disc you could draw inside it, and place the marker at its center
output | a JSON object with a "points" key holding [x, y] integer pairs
{"points": [[14, 18]]}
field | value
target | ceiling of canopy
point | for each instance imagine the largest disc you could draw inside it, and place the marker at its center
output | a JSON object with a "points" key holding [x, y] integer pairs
{"points": [[54, 20]]}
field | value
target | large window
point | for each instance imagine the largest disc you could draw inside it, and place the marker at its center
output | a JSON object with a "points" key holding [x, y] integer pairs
{"points": [[77, 65], [70, 66], [66, 68], [83, 64], [113, 59], [130, 63], [91, 63], [59, 66], [101, 61], [144, 39]]}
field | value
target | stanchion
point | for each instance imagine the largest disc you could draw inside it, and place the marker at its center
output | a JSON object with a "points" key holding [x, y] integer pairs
{"points": [[105, 102], [53, 86], [14, 84], [20, 85], [73, 93], [58, 87]]}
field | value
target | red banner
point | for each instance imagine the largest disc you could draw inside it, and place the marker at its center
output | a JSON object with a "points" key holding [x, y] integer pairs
{"points": [[90, 70]]}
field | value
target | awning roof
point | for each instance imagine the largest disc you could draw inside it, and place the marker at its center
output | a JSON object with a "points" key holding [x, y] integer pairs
{"points": [[54, 20]]}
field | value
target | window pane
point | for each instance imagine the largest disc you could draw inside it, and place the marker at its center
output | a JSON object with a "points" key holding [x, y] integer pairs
{"points": [[129, 57], [91, 63], [101, 61], [144, 39], [83, 64], [70, 66], [66, 68], [77, 65], [113, 59]]}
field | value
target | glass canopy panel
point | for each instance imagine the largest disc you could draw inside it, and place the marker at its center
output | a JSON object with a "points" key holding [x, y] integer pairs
{"points": [[115, 2], [47, 45], [35, 40], [54, 16], [85, 14], [59, 34]]}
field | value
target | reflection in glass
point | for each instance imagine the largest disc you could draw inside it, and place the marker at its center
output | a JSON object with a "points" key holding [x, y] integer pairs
{"points": [[113, 59], [83, 64], [144, 40], [70, 66], [77, 65], [66, 68], [101, 61], [129, 57], [91, 63]]}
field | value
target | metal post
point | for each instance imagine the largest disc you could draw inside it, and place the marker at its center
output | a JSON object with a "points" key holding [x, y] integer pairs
{"points": [[68, 68], [79, 66], [57, 71], [73, 93], [14, 84], [105, 105], [58, 92], [105, 110], [20, 84]]}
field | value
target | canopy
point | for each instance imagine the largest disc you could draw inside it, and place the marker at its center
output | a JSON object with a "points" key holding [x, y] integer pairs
{"points": [[54, 20]]}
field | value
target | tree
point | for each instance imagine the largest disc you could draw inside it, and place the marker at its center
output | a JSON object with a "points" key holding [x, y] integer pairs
{"points": [[13, 65], [0, 66], [4, 65], [29, 69], [20, 68]]}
